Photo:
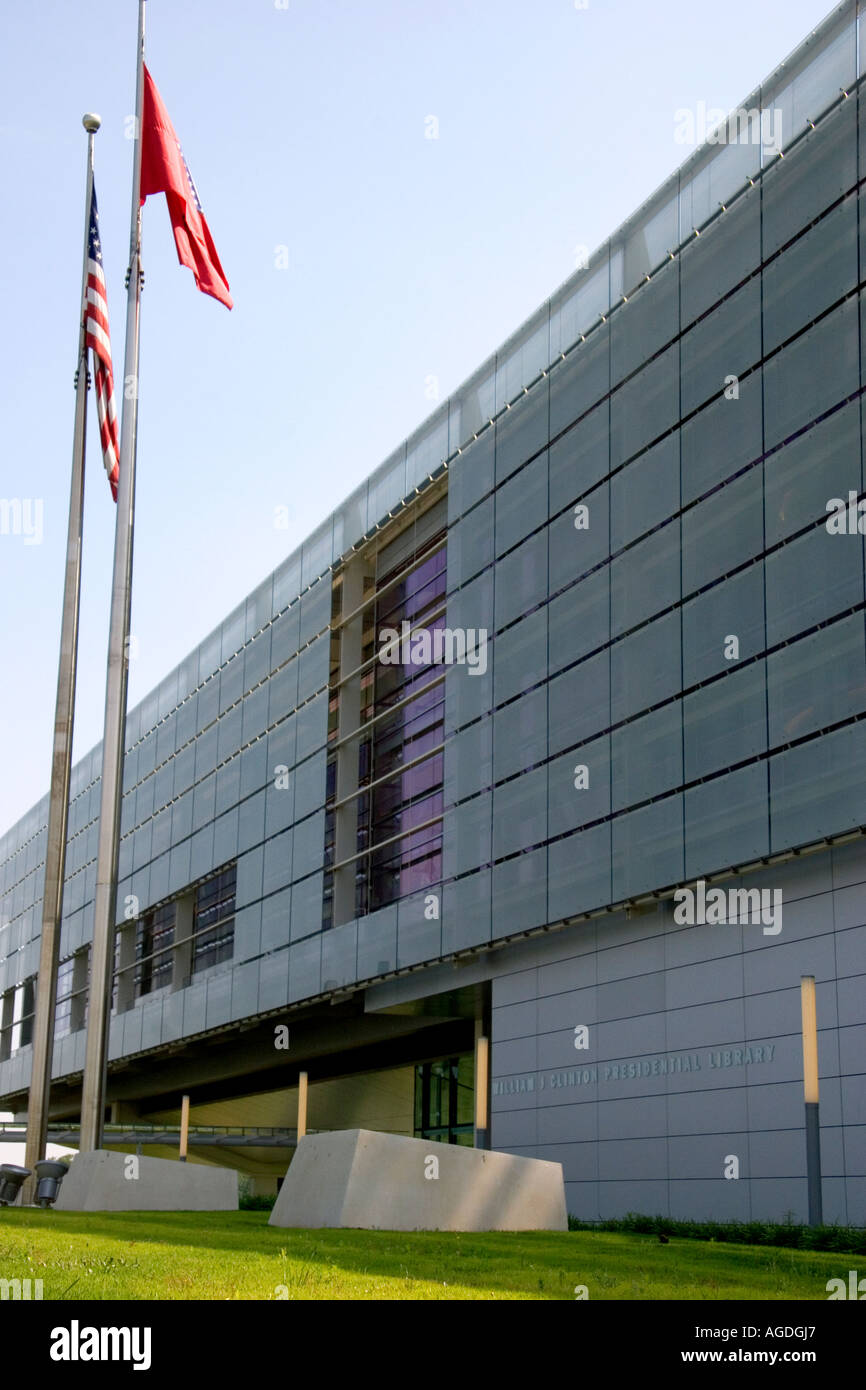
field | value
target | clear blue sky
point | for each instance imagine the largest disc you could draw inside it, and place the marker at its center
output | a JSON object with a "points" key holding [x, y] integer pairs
{"points": [[304, 127]]}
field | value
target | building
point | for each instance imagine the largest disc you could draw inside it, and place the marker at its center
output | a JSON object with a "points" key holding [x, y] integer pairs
{"points": [[592, 637]]}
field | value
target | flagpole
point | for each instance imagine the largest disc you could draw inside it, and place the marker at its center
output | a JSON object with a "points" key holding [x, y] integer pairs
{"points": [[102, 955], [64, 718]]}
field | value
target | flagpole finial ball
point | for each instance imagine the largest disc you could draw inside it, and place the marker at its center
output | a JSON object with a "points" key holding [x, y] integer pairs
{"points": [[91, 122]]}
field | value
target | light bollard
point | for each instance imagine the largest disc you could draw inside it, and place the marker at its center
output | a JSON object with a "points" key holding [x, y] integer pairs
{"points": [[11, 1180], [49, 1175], [810, 1093]]}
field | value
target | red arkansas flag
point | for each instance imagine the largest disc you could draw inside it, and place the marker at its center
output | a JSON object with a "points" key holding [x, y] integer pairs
{"points": [[164, 170]]}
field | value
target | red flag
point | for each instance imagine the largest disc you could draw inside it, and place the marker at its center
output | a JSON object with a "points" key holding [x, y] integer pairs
{"points": [[164, 170]]}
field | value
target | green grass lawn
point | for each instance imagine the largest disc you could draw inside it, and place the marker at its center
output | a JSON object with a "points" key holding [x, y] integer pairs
{"points": [[229, 1255]]}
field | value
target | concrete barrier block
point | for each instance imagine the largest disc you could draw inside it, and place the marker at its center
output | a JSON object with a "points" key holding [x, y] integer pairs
{"points": [[106, 1181], [363, 1179]]}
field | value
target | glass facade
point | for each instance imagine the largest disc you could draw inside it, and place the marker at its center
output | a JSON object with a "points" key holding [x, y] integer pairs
{"points": [[629, 502], [213, 923], [153, 941], [387, 729]]}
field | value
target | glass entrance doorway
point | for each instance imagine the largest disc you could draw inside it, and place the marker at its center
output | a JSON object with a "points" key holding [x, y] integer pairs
{"points": [[444, 1098]]}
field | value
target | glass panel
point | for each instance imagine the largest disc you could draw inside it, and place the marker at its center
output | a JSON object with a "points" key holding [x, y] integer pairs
{"points": [[521, 657], [229, 733], [287, 582], [349, 521], [727, 342], [721, 257], [820, 464], [309, 845], [579, 620], [208, 709], [521, 362], [644, 407], [316, 555], [251, 820], [647, 757], [387, 487], [470, 543], [203, 801], [377, 943], [231, 683], [467, 696], [579, 873], [313, 665], [811, 579], [817, 681], [309, 779], [645, 578], [732, 609], [580, 310], [714, 186], [477, 403], [580, 458], [254, 710], [473, 605], [469, 761], [646, 323], [647, 245], [645, 667], [580, 381], [520, 813], [339, 956], [725, 723], [648, 847], [312, 725], [258, 612], [521, 580], [282, 692], [522, 431], [645, 493], [285, 635], [232, 633], [307, 911], [727, 821], [520, 892], [228, 786], [249, 876], [580, 786], [277, 870], [579, 539], [470, 475], [818, 789], [724, 531], [315, 611], [820, 83], [717, 442], [579, 702], [467, 835], [426, 453], [794, 392], [520, 734], [521, 505], [816, 271], [276, 916]]}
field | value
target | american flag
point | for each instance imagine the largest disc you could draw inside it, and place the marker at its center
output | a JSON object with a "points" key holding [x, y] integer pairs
{"points": [[98, 339]]}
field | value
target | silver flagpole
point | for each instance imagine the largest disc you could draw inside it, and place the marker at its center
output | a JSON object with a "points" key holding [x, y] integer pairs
{"points": [[102, 956], [64, 717]]}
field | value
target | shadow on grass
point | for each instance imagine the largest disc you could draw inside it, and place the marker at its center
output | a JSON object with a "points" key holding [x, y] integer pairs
{"points": [[527, 1262], [537, 1264]]}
